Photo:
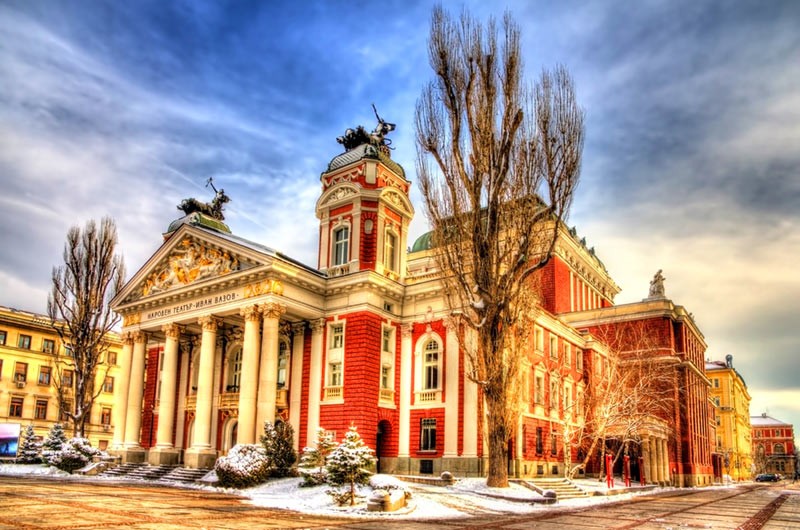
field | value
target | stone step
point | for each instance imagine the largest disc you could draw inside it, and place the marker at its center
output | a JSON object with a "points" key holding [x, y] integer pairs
{"points": [[183, 474]]}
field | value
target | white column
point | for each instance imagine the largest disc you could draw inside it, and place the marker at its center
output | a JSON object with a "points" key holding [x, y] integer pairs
{"points": [[665, 451], [295, 380], [404, 420], [645, 445], [660, 461], [315, 379], [133, 420], [471, 419], [169, 376], [268, 372], [121, 395], [247, 432], [205, 384], [451, 391]]}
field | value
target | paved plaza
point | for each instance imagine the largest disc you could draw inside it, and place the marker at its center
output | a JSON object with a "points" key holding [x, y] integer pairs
{"points": [[52, 503]]}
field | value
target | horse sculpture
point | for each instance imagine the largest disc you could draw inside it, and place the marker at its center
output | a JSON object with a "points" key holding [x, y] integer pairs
{"points": [[352, 138], [212, 209]]}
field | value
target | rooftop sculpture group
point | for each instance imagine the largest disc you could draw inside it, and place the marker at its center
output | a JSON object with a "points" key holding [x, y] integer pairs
{"points": [[212, 209], [352, 138]]}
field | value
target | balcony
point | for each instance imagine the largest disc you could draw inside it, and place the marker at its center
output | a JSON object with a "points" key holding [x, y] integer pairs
{"points": [[229, 401], [282, 399], [334, 392], [191, 402], [428, 396], [387, 395]]}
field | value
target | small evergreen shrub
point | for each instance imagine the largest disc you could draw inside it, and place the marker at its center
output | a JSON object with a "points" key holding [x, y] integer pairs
{"points": [[348, 463], [312, 462], [245, 466], [74, 454], [278, 442], [30, 450]]}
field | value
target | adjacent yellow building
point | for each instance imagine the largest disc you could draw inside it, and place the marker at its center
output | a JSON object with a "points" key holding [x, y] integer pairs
{"points": [[732, 403], [29, 363]]}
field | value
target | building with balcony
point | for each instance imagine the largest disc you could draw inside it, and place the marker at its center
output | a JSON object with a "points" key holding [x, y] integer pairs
{"points": [[733, 438], [31, 358], [222, 334]]}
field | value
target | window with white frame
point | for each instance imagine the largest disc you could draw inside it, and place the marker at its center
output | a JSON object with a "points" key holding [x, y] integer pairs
{"points": [[341, 245], [553, 346], [335, 374], [386, 377], [337, 337], [553, 395], [427, 440], [387, 342], [283, 361], [234, 371], [538, 339], [538, 395], [567, 354], [390, 251], [567, 399], [579, 360], [430, 366]]}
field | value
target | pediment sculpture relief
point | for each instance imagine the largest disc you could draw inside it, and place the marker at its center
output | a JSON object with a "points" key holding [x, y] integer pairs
{"points": [[191, 261]]}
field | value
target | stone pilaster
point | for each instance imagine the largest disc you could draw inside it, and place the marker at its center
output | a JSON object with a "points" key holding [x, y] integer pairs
{"points": [[315, 379], [121, 394], [133, 419], [165, 452], [201, 454], [404, 420], [295, 380], [248, 384], [268, 373]]}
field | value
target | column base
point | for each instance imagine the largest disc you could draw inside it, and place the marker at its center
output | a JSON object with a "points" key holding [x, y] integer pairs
{"points": [[199, 458], [135, 455], [164, 457]]}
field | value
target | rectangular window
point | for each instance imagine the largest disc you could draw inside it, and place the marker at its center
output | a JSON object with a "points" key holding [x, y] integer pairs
{"points": [[539, 390], [48, 345], [567, 399], [337, 336], [108, 385], [428, 435], [44, 375], [40, 413], [579, 360], [341, 238], [539, 441], [554, 443], [112, 358], [553, 395], [389, 252], [20, 372], [1, 368], [66, 379], [387, 340], [335, 374], [66, 407], [538, 339], [386, 372], [24, 342], [553, 347], [15, 410], [2, 338], [105, 416], [716, 383], [567, 354]]}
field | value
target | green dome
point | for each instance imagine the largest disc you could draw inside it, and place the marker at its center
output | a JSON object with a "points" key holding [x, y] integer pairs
{"points": [[423, 242]]}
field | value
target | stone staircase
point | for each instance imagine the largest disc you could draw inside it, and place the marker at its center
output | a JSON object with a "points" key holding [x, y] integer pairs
{"points": [[184, 475], [148, 472], [122, 470], [563, 487]]}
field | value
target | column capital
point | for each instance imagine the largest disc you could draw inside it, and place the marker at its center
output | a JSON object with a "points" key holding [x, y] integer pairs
{"points": [[250, 313], [172, 331], [272, 310], [406, 330], [209, 323], [139, 337], [317, 325], [298, 328], [127, 338]]}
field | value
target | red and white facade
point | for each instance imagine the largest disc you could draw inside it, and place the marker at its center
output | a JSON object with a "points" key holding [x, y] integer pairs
{"points": [[222, 334]]}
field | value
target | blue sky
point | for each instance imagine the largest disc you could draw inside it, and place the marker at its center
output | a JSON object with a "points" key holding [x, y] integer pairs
{"points": [[691, 162]]}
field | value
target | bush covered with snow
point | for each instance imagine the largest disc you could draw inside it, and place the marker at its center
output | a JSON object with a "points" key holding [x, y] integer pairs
{"points": [[74, 454], [245, 466], [389, 484], [312, 463], [348, 465]]}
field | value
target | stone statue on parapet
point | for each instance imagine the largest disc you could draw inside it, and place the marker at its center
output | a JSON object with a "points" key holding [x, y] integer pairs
{"points": [[657, 285], [352, 138], [212, 209]]}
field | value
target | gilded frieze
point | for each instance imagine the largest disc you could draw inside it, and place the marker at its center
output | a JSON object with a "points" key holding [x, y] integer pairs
{"points": [[191, 261]]}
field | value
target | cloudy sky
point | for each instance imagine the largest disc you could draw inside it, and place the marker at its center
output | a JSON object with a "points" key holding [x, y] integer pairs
{"points": [[691, 163]]}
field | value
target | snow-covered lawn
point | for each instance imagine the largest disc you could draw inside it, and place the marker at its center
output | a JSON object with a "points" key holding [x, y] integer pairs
{"points": [[468, 496]]}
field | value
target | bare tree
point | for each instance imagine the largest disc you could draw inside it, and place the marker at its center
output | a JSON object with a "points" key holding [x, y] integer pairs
{"points": [[79, 309], [498, 162]]}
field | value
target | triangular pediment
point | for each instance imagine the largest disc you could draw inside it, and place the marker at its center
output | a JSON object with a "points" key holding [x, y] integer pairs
{"points": [[191, 256]]}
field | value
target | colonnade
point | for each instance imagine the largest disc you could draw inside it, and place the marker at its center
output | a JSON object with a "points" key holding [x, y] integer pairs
{"points": [[257, 386], [655, 459]]}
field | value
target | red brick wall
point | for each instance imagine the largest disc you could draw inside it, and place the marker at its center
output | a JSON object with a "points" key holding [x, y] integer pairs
{"points": [[416, 423]]}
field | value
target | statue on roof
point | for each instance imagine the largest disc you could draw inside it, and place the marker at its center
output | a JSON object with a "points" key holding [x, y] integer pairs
{"points": [[352, 138], [657, 285], [212, 209]]}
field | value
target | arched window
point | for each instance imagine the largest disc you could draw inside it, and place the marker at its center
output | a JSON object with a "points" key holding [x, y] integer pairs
{"points": [[778, 449], [341, 246], [430, 366], [234, 371], [390, 251]]}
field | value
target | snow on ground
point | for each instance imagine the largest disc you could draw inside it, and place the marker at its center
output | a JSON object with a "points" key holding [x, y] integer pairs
{"points": [[468, 496]]}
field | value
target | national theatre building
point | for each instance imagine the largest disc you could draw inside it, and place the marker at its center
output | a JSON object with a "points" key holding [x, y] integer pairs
{"points": [[221, 334]]}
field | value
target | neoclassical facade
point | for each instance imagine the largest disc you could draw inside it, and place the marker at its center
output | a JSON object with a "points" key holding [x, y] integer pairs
{"points": [[222, 334]]}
